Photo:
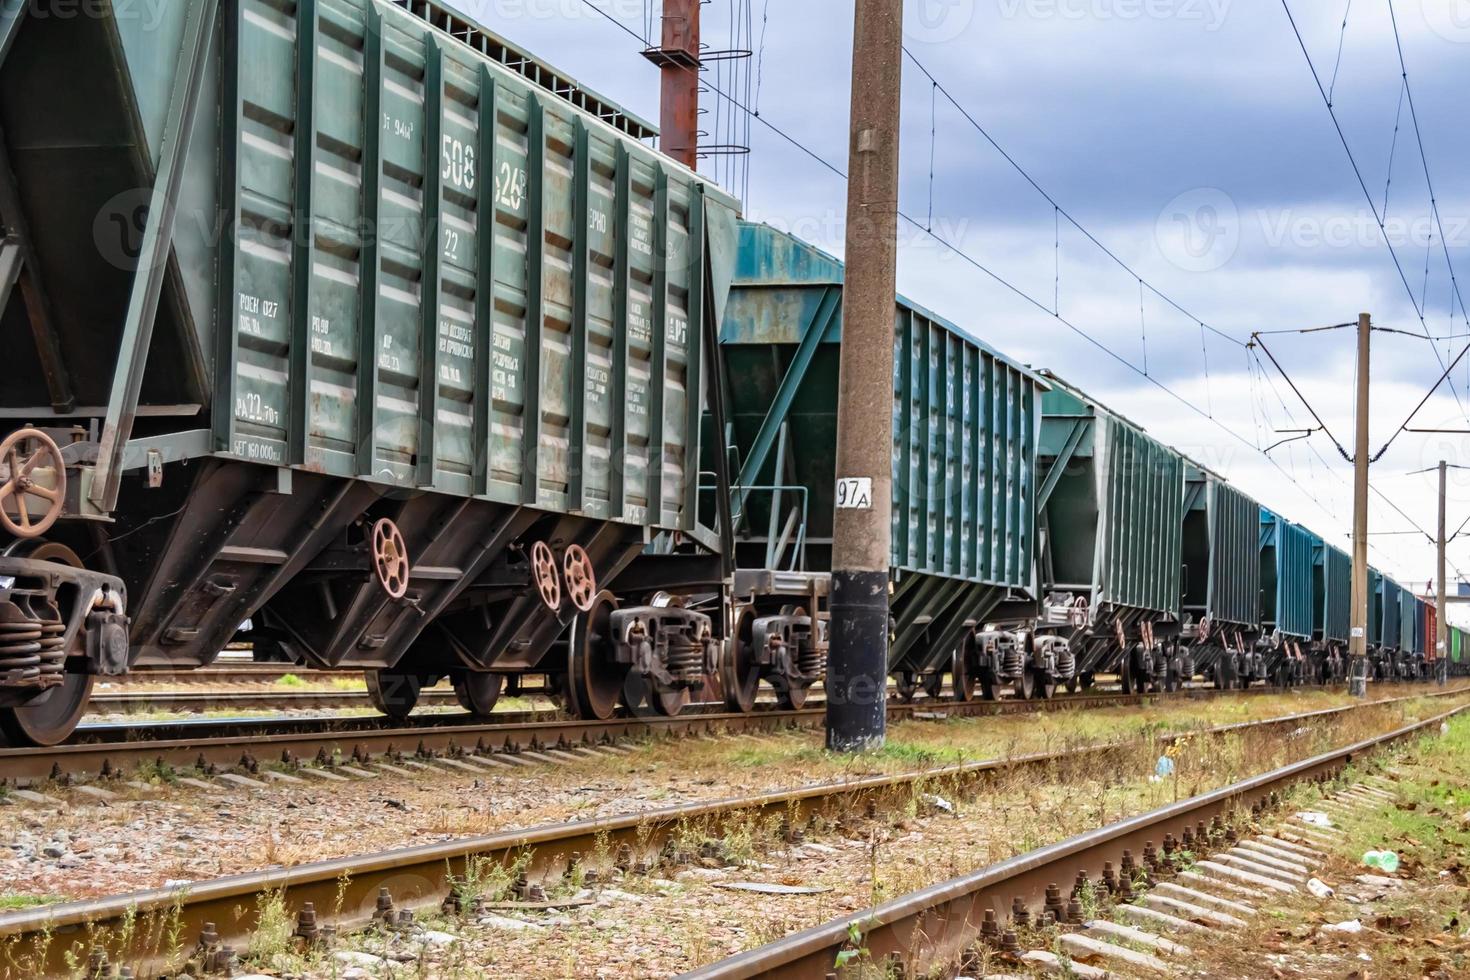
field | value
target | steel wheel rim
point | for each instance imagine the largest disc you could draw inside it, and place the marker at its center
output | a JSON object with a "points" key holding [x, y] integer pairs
{"points": [[593, 682], [394, 694], [963, 683], [740, 676], [477, 692]]}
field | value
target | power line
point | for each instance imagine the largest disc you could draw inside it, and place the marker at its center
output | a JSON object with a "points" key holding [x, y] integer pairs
{"points": [[1022, 294], [1357, 171], [1053, 202]]}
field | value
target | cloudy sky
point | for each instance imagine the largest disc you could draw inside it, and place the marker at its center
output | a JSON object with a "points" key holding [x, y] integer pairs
{"points": [[1189, 138]]}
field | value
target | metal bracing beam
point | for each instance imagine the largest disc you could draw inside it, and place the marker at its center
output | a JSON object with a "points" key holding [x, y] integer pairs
{"points": [[32, 286], [1060, 464], [137, 338], [765, 440], [9, 268]]}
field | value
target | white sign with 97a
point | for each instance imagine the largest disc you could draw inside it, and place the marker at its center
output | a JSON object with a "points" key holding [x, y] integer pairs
{"points": [[855, 493]]}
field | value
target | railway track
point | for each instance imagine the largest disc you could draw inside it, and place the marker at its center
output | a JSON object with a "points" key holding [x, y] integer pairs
{"points": [[932, 929], [346, 892], [244, 745], [128, 702]]}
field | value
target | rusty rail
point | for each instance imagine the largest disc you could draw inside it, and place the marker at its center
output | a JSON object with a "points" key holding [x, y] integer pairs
{"points": [[933, 927], [244, 743], [345, 891]]}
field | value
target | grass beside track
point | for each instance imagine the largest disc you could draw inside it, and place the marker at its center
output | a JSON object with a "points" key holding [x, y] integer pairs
{"points": [[1416, 928]]}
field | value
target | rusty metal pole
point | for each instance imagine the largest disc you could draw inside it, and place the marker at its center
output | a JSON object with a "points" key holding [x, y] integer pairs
{"points": [[857, 667], [677, 57], [1441, 627], [1358, 635]]}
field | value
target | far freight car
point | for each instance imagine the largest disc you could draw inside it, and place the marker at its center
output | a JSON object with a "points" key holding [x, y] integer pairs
{"points": [[1286, 551], [1221, 601], [1331, 592], [965, 422], [1112, 514]]}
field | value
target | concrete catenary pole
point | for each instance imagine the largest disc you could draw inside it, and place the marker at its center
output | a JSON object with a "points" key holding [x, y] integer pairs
{"points": [[1358, 635], [677, 57], [1441, 627], [857, 666]]}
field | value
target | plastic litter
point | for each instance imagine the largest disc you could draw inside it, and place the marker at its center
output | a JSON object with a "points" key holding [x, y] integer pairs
{"points": [[1351, 925], [1316, 818], [1319, 888], [1165, 767], [1382, 860]]}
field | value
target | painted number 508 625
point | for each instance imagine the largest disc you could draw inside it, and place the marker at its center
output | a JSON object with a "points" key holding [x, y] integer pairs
{"points": [[459, 164]]}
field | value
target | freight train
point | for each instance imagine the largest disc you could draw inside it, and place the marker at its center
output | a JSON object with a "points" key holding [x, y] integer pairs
{"points": [[349, 330]]}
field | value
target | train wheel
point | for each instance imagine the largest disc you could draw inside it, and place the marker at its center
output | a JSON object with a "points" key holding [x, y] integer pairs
{"points": [[594, 682], [1026, 685], [477, 692], [933, 684], [987, 688], [1087, 680], [961, 680], [906, 684], [789, 696], [392, 692], [1046, 690], [52, 720], [1125, 675], [1072, 683], [740, 675]]}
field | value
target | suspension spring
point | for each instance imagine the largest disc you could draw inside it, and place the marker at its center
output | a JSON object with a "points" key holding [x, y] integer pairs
{"points": [[20, 650], [812, 662], [685, 660], [1066, 661], [1014, 661]]}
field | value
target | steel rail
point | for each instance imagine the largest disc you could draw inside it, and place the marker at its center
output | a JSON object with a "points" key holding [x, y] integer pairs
{"points": [[934, 926], [345, 891], [243, 744], [225, 744], [130, 702]]}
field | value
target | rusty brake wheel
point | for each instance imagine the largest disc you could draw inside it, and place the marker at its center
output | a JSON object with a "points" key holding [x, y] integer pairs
{"points": [[23, 476], [390, 559], [50, 719], [545, 577], [580, 577], [594, 680]]}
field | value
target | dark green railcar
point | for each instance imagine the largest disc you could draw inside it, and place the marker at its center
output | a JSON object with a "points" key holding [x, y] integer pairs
{"points": [[1112, 505], [1331, 609], [1221, 603], [354, 322], [1281, 651], [964, 453]]}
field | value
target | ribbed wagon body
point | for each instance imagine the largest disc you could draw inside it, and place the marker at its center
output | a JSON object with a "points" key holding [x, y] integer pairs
{"points": [[1331, 609], [1112, 505], [965, 433], [350, 321], [1221, 604], [1286, 600]]}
